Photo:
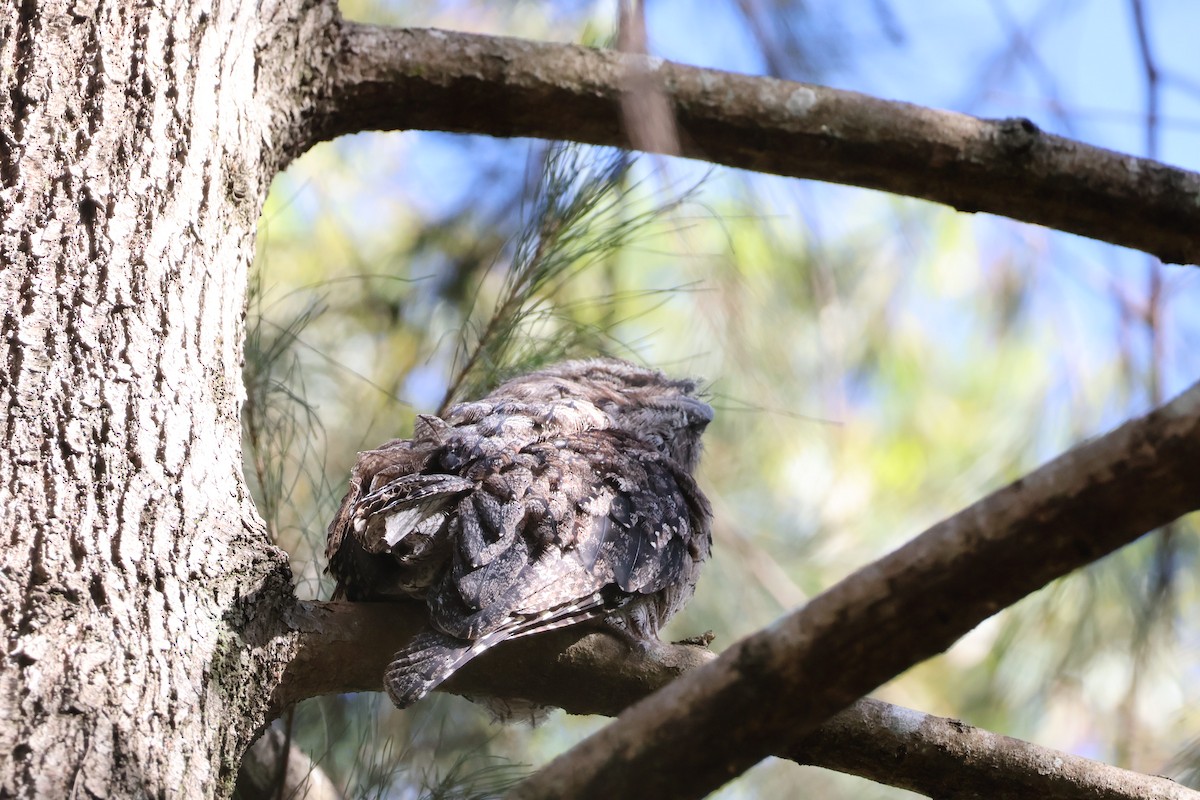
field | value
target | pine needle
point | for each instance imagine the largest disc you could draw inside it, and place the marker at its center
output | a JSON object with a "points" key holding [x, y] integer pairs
{"points": [[579, 218]]}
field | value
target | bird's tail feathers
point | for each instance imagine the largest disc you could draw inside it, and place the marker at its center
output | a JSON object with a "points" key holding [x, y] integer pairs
{"points": [[428, 660], [432, 657]]}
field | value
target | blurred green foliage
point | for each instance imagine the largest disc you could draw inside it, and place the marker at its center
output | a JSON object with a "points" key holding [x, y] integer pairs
{"points": [[876, 365]]}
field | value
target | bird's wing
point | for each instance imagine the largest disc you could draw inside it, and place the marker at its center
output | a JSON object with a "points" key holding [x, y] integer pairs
{"points": [[595, 515]]}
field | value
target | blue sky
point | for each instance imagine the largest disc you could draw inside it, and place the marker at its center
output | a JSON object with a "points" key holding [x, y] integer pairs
{"points": [[1077, 72], [947, 58]]}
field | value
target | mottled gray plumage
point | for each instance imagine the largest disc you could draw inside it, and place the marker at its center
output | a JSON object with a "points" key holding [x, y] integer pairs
{"points": [[565, 495]]}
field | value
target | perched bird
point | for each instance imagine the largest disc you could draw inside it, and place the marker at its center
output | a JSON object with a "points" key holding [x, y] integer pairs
{"points": [[565, 495]]}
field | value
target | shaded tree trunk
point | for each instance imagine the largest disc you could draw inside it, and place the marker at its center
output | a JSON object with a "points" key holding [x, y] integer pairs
{"points": [[136, 582]]}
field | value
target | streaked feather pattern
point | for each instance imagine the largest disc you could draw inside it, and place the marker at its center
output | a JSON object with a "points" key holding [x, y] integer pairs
{"points": [[565, 495]]}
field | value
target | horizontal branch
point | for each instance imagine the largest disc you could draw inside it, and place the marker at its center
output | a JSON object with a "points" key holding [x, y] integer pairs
{"points": [[944, 758], [912, 604], [344, 647], [396, 79]]}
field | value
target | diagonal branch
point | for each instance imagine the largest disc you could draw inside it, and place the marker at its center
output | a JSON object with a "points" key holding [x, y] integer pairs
{"points": [[786, 680], [393, 79], [345, 646], [903, 608]]}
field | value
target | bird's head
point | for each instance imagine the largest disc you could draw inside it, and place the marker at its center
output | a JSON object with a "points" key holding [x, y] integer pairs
{"points": [[665, 413]]}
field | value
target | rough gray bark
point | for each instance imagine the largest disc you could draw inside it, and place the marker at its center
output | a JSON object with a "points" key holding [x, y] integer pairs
{"points": [[136, 584], [149, 625]]}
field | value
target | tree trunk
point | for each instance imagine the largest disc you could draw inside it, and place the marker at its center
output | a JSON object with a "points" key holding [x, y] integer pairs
{"points": [[137, 585]]}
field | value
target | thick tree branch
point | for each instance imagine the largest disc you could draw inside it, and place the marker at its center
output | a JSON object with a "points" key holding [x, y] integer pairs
{"points": [[914, 603], [393, 79], [344, 647]]}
